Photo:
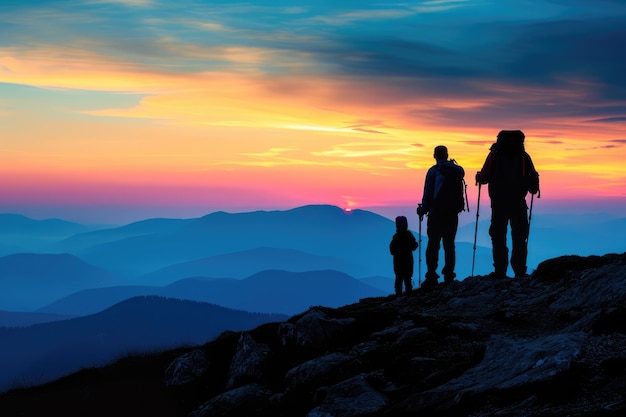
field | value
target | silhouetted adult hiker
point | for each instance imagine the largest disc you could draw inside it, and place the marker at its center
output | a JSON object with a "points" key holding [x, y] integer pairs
{"points": [[443, 201], [402, 245], [511, 175]]}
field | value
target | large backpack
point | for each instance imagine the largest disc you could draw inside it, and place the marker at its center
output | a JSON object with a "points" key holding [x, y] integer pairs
{"points": [[451, 195], [510, 141], [514, 172]]}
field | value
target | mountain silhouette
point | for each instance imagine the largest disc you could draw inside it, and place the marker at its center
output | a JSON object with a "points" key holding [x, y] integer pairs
{"points": [[280, 291], [245, 263], [42, 352], [223, 245], [79, 241], [551, 344], [19, 233], [29, 281], [23, 319], [357, 237], [554, 235], [271, 291], [16, 224]]}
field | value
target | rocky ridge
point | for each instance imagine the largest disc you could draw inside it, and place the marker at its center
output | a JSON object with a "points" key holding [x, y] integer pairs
{"points": [[552, 344]]}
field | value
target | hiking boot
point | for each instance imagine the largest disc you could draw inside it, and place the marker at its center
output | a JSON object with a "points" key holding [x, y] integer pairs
{"points": [[520, 273], [496, 275], [448, 278], [429, 283], [432, 275]]}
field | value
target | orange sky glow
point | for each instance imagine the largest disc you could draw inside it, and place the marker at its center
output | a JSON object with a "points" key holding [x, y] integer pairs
{"points": [[80, 125]]}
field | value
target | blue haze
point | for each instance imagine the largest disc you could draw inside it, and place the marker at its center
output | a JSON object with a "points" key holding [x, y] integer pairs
{"points": [[69, 282]]}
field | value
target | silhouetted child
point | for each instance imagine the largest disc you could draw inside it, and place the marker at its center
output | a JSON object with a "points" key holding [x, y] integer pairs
{"points": [[401, 247]]}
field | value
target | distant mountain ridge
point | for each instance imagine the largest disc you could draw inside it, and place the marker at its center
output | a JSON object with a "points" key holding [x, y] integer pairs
{"points": [[14, 224], [19, 233], [29, 280], [24, 319], [245, 263], [551, 344], [315, 237], [42, 352], [270, 291], [358, 237], [139, 228]]}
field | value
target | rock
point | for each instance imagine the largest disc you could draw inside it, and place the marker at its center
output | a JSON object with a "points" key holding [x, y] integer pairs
{"points": [[245, 400], [186, 368], [313, 330], [246, 366], [508, 364], [318, 371], [353, 397], [552, 344]]}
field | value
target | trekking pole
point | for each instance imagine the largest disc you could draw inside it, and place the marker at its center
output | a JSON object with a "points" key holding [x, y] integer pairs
{"points": [[466, 200], [476, 229], [530, 215], [419, 245]]}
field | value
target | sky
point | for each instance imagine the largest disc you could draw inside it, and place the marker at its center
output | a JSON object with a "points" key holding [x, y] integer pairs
{"points": [[119, 110]]}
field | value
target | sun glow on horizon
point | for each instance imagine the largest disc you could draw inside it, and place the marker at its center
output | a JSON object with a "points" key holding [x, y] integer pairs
{"points": [[256, 116]]}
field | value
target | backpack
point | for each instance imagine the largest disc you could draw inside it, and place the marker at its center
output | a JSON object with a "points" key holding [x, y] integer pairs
{"points": [[514, 172], [510, 141], [452, 195]]}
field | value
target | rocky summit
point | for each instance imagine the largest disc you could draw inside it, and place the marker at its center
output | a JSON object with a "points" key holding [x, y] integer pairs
{"points": [[552, 344]]}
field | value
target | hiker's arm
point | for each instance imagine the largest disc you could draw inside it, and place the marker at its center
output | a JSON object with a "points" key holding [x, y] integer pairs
{"points": [[532, 176], [484, 175], [429, 190]]}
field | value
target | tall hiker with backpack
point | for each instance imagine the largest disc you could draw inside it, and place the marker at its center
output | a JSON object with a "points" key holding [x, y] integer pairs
{"points": [[511, 175], [443, 199]]}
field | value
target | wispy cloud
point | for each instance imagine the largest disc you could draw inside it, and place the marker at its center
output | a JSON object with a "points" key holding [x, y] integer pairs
{"points": [[132, 3], [609, 119], [341, 90]]}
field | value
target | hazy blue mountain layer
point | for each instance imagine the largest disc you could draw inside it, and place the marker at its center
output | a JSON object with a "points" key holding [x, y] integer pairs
{"points": [[42, 352]]}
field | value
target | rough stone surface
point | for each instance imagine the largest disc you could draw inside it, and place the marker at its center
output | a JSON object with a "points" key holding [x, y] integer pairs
{"points": [[552, 344], [246, 365], [186, 368]]}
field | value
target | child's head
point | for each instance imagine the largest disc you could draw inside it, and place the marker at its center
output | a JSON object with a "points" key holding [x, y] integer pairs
{"points": [[402, 223]]}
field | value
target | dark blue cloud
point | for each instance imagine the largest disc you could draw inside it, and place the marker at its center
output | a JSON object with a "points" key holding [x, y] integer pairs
{"points": [[610, 119], [556, 53], [516, 62]]}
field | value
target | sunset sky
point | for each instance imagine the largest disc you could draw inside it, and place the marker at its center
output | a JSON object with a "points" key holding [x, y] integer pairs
{"points": [[119, 110]]}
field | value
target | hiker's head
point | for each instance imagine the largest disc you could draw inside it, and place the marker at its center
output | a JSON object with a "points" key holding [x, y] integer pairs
{"points": [[441, 153], [402, 223]]}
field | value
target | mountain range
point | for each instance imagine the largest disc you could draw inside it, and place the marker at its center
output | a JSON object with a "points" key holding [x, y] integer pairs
{"points": [[356, 237], [19, 233], [227, 245], [31, 341], [242, 264], [270, 291], [270, 263], [28, 281], [39, 353], [551, 344], [158, 252]]}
